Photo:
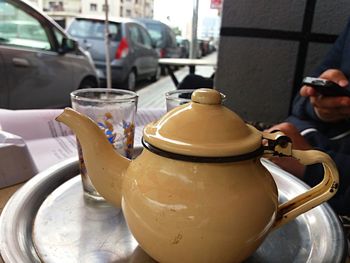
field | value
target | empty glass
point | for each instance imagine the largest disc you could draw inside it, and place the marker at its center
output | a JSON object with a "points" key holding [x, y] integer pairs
{"points": [[179, 97], [114, 112], [176, 98]]}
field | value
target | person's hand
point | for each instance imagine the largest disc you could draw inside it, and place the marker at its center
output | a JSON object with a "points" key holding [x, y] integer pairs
{"points": [[290, 164], [329, 109]]}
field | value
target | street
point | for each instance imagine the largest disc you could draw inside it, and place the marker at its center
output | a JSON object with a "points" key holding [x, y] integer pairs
{"points": [[153, 95]]}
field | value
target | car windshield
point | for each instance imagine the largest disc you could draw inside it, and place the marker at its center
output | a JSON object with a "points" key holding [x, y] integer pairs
{"points": [[20, 29], [84, 28]]}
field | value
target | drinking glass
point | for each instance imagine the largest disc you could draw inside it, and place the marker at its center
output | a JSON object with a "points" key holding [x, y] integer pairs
{"points": [[176, 98], [114, 112], [179, 97]]}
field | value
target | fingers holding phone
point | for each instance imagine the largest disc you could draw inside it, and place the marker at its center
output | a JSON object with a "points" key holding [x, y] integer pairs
{"points": [[329, 95], [326, 87], [331, 109], [334, 76], [330, 114]]}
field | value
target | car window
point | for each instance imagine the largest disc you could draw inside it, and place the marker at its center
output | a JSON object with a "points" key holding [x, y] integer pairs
{"points": [[86, 28], [155, 31], [62, 41], [146, 39], [17, 28], [135, 34], [59, 36], [171, 38]]}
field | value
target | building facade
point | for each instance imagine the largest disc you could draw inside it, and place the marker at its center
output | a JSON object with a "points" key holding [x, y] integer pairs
{"points": [[63, 10]]}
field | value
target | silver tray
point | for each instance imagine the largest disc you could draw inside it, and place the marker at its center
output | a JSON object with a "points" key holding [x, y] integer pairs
{"points": [[48, 220]]}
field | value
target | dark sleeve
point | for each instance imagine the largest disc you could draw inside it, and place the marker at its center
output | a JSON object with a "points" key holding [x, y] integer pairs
{"points": [[333, 60], [314, 173]]}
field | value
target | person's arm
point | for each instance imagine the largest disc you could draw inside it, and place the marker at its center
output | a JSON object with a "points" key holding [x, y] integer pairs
{"points": [[302, 107], [329, 109], [334, 56]]}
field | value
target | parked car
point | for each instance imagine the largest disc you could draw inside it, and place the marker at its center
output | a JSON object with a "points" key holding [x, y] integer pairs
{"points": [[163, 38], [204, 46], [132, 55], [184, 44], [39, 63]]}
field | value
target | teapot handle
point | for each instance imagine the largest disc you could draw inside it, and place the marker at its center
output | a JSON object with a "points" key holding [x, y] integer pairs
{"points": [[314, 196]]}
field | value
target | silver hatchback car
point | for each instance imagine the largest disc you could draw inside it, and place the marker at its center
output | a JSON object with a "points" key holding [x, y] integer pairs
{"points": [[133, 57], [39, 63]]}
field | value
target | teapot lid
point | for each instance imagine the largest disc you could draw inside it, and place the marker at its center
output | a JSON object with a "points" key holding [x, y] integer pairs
{"points": [[203, 128]]}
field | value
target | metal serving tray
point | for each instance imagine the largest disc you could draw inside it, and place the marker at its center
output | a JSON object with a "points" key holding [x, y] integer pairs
{"points": [[48, 220]]}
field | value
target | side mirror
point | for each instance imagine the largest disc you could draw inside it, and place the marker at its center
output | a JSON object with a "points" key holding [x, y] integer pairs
{"points": [[68, 45]]}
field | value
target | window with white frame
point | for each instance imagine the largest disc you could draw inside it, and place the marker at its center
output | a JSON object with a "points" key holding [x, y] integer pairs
{"points": [[93, 7]]}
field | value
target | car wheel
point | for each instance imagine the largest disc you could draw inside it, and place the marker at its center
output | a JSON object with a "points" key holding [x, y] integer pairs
{"points": [[157, 74], [163, 71], [88, 83], [130, 82]]}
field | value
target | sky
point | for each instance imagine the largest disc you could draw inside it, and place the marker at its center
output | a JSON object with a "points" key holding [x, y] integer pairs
{"points": [[179, 13]]}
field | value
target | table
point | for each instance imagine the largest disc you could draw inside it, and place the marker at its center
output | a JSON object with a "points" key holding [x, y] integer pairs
{"points": [[5, 195], [169, 63]]}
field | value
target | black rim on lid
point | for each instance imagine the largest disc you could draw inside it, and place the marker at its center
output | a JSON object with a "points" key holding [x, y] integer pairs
{"points": [[200, 159]]}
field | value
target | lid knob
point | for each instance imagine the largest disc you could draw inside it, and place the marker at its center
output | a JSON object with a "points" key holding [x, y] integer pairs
{"points": [[206, 96]]}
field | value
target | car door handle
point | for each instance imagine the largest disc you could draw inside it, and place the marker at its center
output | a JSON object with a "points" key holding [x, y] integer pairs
{"points": [[88, 45], [20, 62]]}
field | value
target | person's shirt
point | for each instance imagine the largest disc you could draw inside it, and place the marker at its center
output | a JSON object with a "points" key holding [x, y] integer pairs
{"points": [[332, 138]]}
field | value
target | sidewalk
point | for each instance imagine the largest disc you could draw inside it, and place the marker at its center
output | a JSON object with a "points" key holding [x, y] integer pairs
{"points": [[153, 95]]}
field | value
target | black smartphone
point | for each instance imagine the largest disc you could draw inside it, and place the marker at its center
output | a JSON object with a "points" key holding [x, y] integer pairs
{"points": [[326, 87]]}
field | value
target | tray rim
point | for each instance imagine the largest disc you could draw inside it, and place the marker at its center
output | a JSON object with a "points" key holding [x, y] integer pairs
{"points": [[8, 241]]}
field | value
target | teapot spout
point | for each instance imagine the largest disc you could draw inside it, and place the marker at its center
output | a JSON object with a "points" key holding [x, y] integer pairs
{"points": [[105, 166]]}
